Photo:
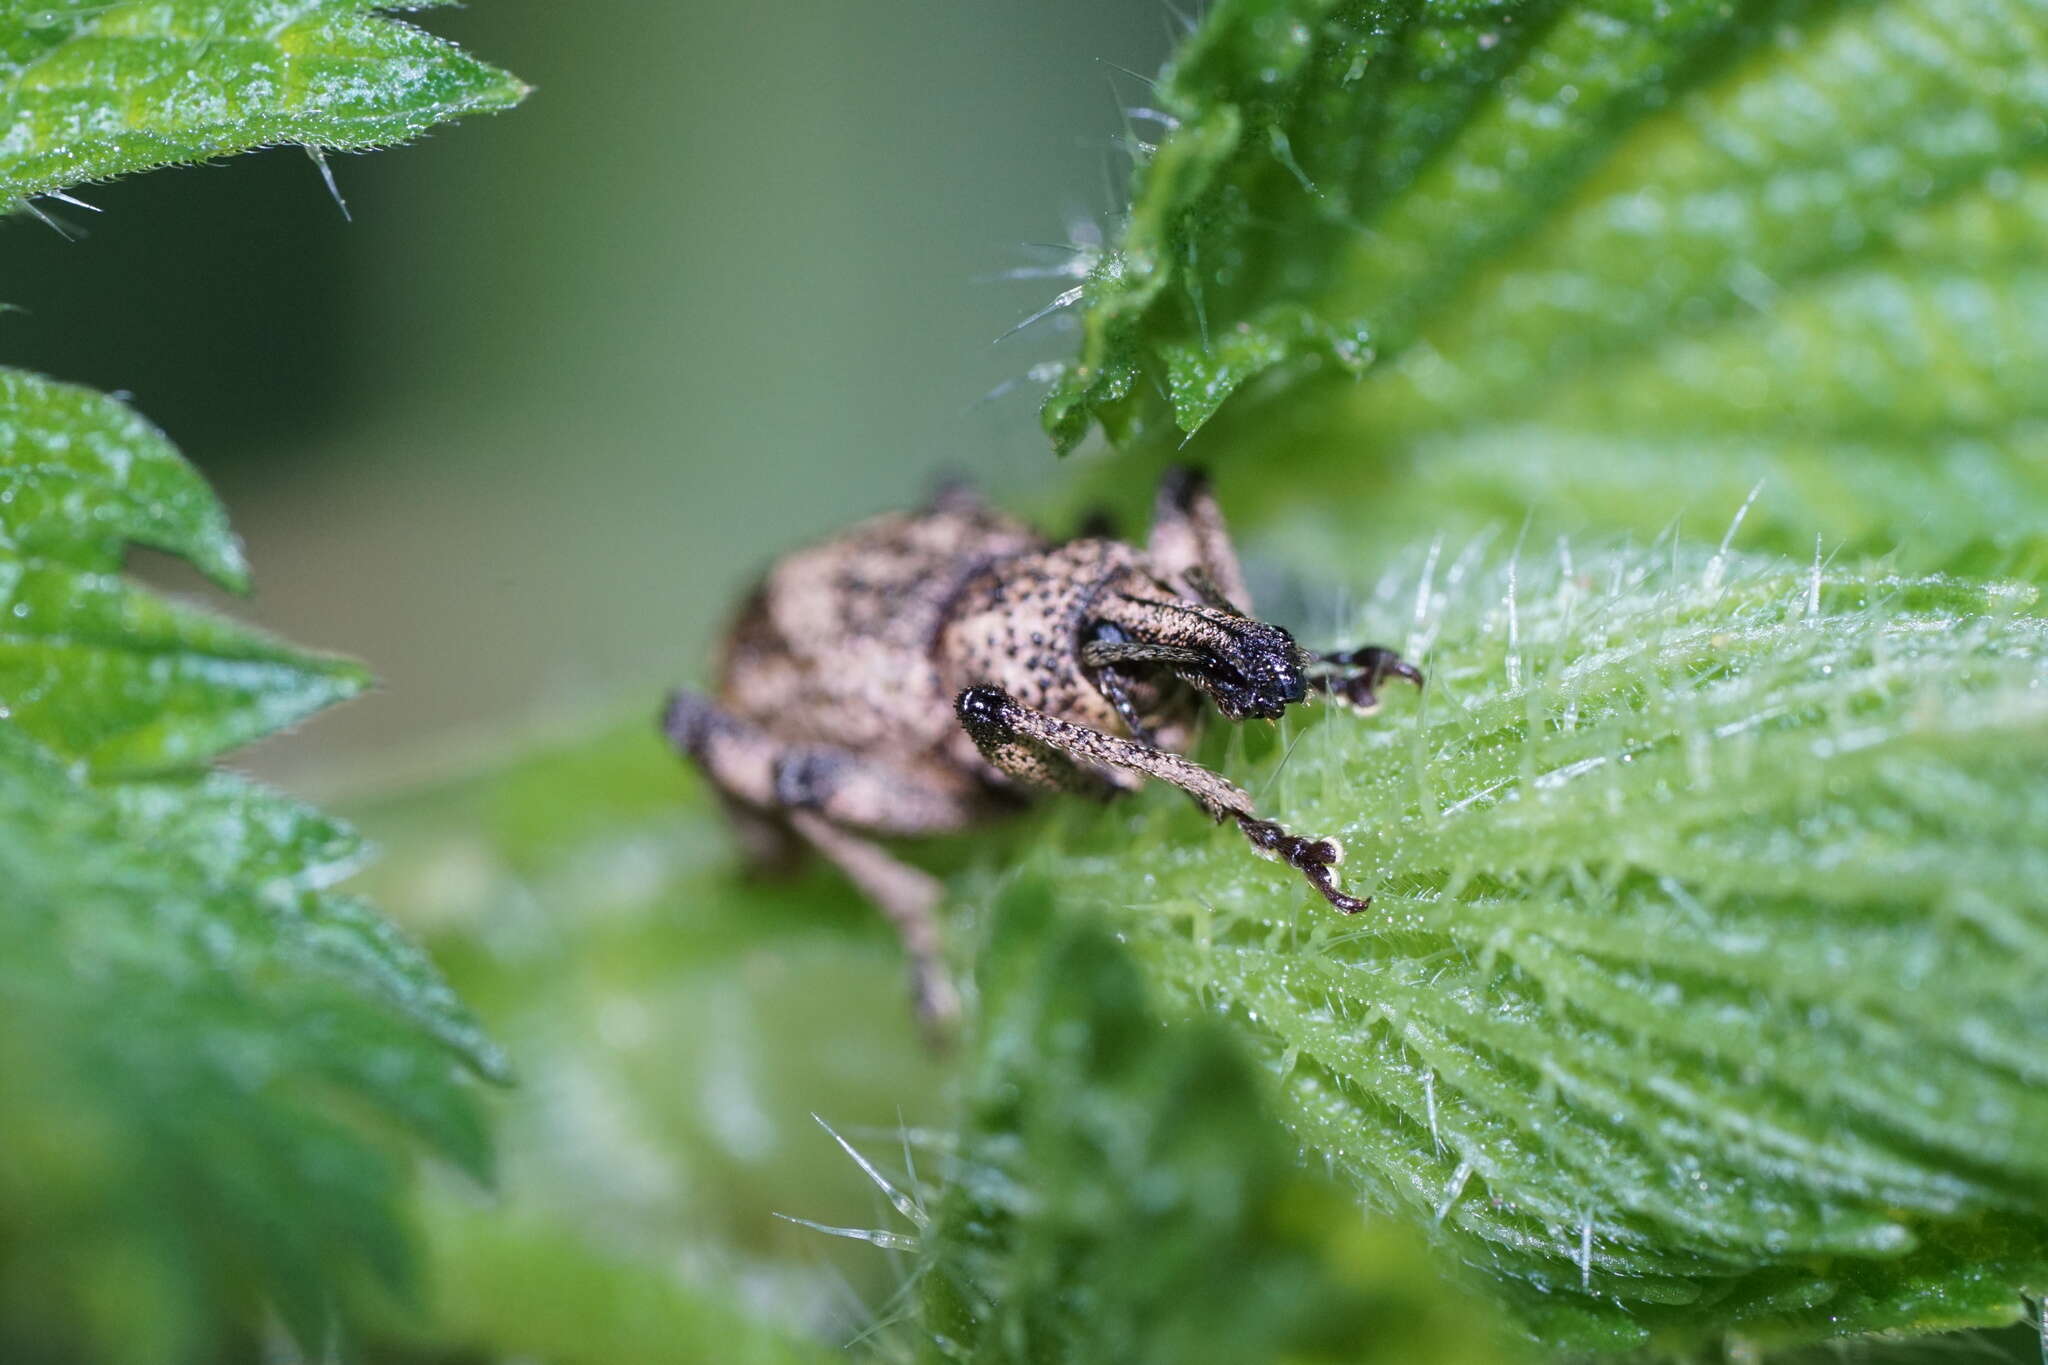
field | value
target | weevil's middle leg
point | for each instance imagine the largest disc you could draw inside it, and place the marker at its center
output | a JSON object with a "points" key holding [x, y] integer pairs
{"points": [[909, 899], [1043, 749], [812, 792], [1190, 543]]}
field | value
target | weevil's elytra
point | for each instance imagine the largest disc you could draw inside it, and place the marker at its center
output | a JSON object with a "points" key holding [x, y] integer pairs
{"points": [[925, 670]]}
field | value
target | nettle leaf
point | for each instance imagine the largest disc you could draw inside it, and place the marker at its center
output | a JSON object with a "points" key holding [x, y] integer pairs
{"points": [[1558, 255], [92, 666], [1701, 993], [1117, 1192], [86, 476], [249, 840], [186, 1026], [208, 1052], [93, 90]]}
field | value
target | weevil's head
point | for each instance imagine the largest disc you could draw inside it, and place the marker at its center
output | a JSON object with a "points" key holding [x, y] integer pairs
{"points": [[1254, 671], [1247, 668]]}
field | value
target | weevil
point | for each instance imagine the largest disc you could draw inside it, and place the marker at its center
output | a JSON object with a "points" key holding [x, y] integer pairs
{"points": [[927, 670]]}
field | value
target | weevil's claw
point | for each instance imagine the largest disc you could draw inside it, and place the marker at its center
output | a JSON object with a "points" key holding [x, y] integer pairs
{"points": [[1374, 664], [1313, 858]]}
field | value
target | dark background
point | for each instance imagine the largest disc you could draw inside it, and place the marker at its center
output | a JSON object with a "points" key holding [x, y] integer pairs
{"points": [[517, 433]]}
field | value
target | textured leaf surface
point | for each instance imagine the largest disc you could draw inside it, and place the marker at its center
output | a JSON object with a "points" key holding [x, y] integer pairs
{"points": [[85, 477], [1118, 1194], [93, 666], [1575, 255], [90, 90], [1701, 992]]}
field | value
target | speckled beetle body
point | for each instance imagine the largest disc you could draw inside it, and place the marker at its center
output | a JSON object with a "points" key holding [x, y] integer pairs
{"points": [[924, 670]]}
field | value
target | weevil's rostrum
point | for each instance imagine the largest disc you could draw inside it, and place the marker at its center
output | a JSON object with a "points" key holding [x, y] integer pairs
{"points": [[925, 670]]}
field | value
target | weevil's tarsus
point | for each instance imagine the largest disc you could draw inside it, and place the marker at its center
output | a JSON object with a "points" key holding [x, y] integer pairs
{"points": [[1352, 677]]}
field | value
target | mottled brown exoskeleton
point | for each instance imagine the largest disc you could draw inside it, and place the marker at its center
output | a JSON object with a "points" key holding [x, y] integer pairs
{"points": [[923, 670]]}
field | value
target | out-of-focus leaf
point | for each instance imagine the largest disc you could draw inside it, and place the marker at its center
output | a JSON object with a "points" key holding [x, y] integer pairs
{"points": [[675, 1025], [197, 1081], [512, 1286], [1701, 990], [246, 840], [90, 90], [1615, 249], [205, 1052]]}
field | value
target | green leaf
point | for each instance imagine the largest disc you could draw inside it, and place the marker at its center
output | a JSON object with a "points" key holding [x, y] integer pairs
{"points": [[94, 90], [92, 666], [84, 477], [194, 1079], [1700, 993], [209, 1056], [103, 671], [1618, 248], [244, 839], [1118, 1194], [676, 1025]]}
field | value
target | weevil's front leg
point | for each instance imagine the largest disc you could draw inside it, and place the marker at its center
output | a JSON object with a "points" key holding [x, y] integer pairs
{"points": [[1043, 749], [1352, 677], [1190, 544]]}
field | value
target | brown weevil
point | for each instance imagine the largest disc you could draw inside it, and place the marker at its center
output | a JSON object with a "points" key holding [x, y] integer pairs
{"points": [[923, 670]]}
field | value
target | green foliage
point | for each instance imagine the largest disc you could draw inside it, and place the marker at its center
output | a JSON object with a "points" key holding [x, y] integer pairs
{"points": [[91, 666], [95, 89], [213, 1068], [1118, 1193], [675, 1026], [206, 1052], [1463, 262], [676, 1032], [1698, 999], [1701, 990]]}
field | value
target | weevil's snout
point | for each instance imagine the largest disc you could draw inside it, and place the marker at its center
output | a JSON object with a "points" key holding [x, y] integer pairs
{"points": [[1256, 673]]}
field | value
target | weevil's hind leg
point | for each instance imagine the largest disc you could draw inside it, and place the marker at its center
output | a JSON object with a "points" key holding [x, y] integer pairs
{"points": [[736, 758], [1045, 750], [810, 791], [909, 898], [1352, 677], [1190, 543]]}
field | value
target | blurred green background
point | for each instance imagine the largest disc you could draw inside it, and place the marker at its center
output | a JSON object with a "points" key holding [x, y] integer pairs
{"points": [[570, 377]]}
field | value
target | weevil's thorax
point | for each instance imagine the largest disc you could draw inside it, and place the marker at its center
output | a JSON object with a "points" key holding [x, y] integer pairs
{"points": [[1017, 625]]}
